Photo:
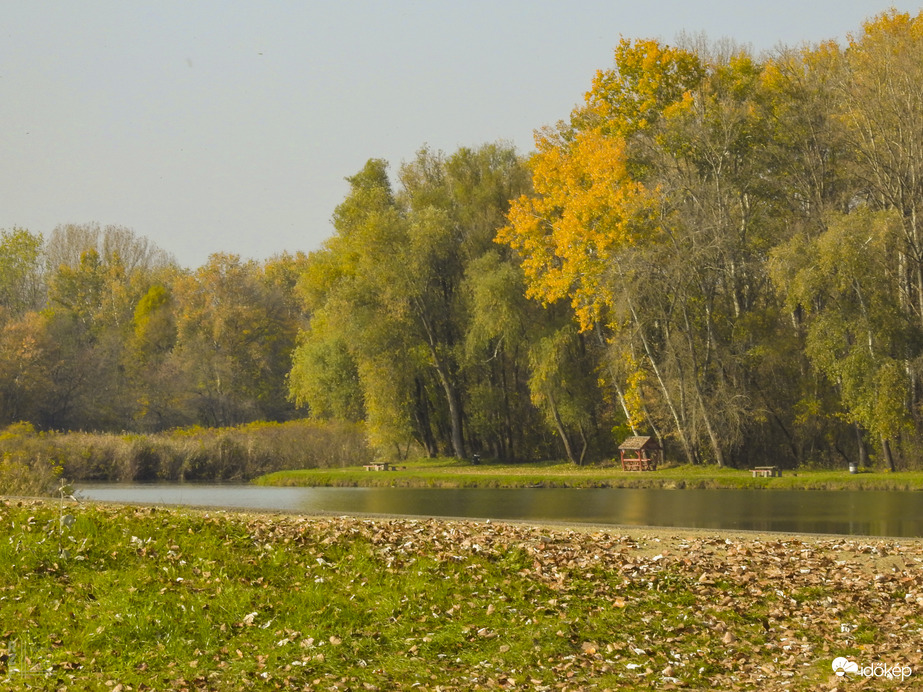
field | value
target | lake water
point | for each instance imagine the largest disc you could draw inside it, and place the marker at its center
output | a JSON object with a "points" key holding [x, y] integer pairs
{"points": [[872, 513]]}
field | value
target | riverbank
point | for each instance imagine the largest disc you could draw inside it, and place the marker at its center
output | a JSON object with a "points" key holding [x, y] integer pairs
{"points": [[453, 473], [139, 598]]}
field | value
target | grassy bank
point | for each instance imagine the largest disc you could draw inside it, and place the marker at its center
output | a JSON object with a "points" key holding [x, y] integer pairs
{"points": [[133, 599], [449, 473]]}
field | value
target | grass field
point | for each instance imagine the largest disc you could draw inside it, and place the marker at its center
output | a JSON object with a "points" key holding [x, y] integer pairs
{"points": [[139, 599], [119, 598], [452, 473]]}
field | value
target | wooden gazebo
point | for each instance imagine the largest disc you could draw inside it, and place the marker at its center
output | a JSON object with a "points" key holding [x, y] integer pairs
{"points": [[640, 454]]}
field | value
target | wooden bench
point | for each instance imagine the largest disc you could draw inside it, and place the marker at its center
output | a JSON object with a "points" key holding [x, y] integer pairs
{"points": [[377, 467], [635, 464], [765, 471]]}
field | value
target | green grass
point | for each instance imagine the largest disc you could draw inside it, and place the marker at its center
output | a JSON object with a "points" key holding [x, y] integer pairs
{"points": [[94, 597], [452, 473]]}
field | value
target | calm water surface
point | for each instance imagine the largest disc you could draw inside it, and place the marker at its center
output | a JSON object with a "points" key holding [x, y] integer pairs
{"points": [[873, 513]]}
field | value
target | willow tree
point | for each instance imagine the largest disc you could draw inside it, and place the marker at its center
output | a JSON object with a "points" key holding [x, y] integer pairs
{"points": [[844, 284], [401, 303]]}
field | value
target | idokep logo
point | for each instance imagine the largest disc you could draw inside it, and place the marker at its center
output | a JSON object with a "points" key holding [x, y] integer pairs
{"points": [[843, 666]]}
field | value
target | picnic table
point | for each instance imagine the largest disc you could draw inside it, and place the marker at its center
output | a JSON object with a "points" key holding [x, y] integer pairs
{"points": [[765, 471], [634, 464], [384, 466]]}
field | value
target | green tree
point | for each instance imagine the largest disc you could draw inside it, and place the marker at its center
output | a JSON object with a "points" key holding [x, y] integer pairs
{"points": [[234, 337], [399, 301], [843, 283], [21, 279], [28, 362], [324, 377], [96, 278]]}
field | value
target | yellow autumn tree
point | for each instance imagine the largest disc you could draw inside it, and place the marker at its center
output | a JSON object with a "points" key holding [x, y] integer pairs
{"points": [[882, 109], [589, 200], [651, 215], [587, 207]]}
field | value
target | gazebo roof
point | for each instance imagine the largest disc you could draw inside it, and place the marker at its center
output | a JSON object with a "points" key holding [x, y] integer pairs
{"points": [[639, 442]]}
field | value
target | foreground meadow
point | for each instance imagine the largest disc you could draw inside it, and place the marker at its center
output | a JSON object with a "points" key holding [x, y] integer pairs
{"points": [[127, 598]]}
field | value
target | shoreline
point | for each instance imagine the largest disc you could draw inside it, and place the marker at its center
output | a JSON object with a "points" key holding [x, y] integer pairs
{"points": [[672, 532], [457, 474]]}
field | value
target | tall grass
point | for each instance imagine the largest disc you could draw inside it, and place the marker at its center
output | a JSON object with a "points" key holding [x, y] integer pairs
{"points": [[31, 461]]}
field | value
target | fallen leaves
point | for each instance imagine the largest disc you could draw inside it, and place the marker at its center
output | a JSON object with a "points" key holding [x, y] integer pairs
{"points": [[496, 605]]}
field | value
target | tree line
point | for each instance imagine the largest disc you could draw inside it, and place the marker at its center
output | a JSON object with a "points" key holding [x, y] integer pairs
{"points": [[747, 235], [102, 331], [719, 249]]}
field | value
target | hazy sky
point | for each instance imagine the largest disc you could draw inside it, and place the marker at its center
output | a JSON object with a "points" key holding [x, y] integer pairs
{"points": [[229, 126]]}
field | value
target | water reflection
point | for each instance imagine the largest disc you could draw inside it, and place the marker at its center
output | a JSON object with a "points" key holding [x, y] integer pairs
{"points": [[877, 513]]}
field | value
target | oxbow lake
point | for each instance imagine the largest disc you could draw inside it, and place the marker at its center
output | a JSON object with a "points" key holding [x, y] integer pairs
{"points": [[865, 512]]}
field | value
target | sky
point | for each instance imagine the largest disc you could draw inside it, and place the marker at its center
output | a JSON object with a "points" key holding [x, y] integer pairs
{"points": [[230, 125]]}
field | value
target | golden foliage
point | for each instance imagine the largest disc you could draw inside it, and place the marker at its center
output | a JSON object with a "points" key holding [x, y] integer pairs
{"points": [[588, 207], [589, 204]]}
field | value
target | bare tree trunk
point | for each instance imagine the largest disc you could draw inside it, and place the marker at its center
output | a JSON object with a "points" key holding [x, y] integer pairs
{"points": [[451, 395], [886, 450], [455, 416], [863, 452], [559, 424], [715, 444], [586, 446], [713, 438], [615, 384], [680, 429], [421, 417]]}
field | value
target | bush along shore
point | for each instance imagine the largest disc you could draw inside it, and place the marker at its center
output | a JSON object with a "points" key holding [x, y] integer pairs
{"points": [[102, 597], [452, 473]]}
